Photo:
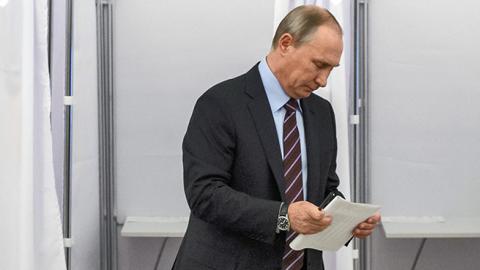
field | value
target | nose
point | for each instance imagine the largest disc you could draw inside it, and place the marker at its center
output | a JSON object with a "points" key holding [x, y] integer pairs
{"points": [[322, 78]]}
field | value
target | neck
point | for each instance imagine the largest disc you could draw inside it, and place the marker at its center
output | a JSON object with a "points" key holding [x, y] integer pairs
{"points": [[274, 62]]}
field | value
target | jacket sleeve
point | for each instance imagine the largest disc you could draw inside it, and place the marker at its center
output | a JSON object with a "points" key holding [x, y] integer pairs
{"points": [[332, 180], [209, 149]]}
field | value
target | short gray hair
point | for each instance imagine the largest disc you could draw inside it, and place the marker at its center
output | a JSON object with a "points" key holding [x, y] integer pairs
{"points": [[301, 22]]}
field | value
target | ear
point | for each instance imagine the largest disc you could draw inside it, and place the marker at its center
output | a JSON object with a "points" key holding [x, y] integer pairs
{"points": [[285, 43]]}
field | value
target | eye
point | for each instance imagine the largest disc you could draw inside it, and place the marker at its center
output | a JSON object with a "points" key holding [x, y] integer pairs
{"points": [[319, 65]]}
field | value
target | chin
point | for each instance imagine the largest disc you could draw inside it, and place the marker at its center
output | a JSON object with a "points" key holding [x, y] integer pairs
{"points": [[307, 93]]}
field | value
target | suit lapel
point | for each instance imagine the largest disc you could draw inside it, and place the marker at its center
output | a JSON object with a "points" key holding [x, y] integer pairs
{"points": [[312, 140], [261, 114]]}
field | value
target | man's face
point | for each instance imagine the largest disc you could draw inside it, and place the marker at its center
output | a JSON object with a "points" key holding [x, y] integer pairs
{"points": [[307, 67]]}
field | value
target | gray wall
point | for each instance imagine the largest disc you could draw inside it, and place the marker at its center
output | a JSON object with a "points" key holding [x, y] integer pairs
{"points": [[425, 137], [166, 54]]}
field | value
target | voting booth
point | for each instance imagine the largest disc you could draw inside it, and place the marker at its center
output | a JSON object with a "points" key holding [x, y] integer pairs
{"points": [[414, 123]]}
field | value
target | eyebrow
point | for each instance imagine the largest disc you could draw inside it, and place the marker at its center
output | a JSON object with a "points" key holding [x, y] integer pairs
{"points": [[317, 61]]}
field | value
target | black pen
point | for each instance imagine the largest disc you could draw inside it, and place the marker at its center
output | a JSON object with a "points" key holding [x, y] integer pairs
{"points": [[328, 199]]}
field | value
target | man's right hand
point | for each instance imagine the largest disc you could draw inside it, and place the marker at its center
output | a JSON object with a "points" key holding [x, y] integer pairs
{"points": [[306, 218]]}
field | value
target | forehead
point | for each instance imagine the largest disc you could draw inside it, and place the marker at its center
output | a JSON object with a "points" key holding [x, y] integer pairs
{"points": [[326, 45]]}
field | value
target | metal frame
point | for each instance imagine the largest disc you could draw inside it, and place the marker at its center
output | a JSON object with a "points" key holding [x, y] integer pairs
{"points": [[360, 171], [67, 162], [50, 6], [108, 216]]}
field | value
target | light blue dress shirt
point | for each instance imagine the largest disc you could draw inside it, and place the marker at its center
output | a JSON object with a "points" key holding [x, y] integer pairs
{"points": [[277, 99]]}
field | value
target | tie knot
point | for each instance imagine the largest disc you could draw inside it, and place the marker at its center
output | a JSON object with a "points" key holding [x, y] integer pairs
{"points": [[291, 105]]}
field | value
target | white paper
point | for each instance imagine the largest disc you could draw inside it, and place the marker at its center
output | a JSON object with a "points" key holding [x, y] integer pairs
{"points": [[345, 217]]}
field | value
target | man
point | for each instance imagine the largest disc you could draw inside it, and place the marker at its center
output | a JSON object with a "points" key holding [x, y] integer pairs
{"points": [[260, 155]]}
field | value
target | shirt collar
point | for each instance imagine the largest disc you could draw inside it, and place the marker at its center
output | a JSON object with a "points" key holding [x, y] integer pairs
{"points": [[275, 93]]}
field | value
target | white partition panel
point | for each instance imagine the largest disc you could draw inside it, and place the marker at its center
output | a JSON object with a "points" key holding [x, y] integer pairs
{"points": [[424, 102], [425, 107], [85, 186], [166, 54]]}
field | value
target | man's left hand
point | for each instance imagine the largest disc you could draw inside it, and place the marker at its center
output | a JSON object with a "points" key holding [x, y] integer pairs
{"points": [[366, 228]]}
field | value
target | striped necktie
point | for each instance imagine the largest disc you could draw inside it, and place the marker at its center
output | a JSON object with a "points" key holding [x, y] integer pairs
{"points": [[292, 172]]}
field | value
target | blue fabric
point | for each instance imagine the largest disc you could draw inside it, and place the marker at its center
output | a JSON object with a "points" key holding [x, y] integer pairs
{"points": [[277, 99]]}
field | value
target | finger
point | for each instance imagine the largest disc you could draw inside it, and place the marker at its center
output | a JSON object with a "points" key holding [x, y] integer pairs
{"points": [[315, 226], [320, 226], [316, 215], [324, 222], [362, 233], [372, 220], [375, 218], [366, 226], [360, 236], [305, 228], [314, 229]]}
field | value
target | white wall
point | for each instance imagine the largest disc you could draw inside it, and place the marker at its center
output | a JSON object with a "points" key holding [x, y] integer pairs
{"points": [[425, 138]]}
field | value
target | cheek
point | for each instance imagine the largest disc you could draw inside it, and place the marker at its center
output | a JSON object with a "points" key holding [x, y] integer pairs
{"points": [[308, 72], [306, 77], [294, 78], [301, 76]]}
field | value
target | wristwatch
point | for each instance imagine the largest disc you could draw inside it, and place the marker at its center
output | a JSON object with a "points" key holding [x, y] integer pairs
{"points": [[283, 224]]}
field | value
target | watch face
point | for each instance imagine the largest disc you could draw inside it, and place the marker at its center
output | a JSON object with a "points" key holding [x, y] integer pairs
{"points": [[283, 224]]}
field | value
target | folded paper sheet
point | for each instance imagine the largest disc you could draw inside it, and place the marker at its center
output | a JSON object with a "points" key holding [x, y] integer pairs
{"points": [[345, 217]]}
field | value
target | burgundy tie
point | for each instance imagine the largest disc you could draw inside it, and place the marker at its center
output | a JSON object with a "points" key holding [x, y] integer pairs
{"points": [[292, 172]]}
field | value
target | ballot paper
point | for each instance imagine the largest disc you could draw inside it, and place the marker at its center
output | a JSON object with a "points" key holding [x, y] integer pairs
{"points": [[345, 217]]}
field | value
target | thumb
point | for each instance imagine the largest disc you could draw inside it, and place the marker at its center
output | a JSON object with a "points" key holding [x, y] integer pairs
{"points": [[317, 214]]}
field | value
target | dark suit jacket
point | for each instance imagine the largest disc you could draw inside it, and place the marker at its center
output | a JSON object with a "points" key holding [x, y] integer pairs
{"points": [[233, 176]]}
